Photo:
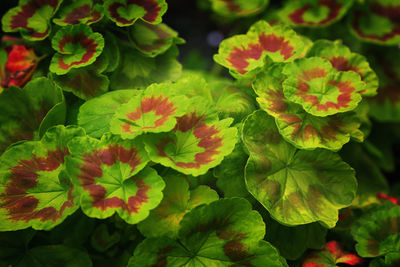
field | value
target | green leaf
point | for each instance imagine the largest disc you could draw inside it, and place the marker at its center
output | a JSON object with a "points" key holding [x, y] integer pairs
{"points": [[81, 11], [139, 71], [298, 127], [292, 242], [223, 233], [198, 142], [391, 260], [31, 18], [238, 8], [245, 55], [54, 255], [230, 172], [112, 177], [376, 21], [319, 88], [35, 190], [76, 46], [95, 115], [126, 12], [369, 176], [377, 232], [153, 40], [154, 111], [26, 112], [295, 186], [342, 59], [385, 107], [85, 83], [224, 94], [102, 240], [314, 13], [178, 200], [331, 255]]}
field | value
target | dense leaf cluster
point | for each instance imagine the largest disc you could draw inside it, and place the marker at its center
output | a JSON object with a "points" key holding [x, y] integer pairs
{"points": [[113, 154]]}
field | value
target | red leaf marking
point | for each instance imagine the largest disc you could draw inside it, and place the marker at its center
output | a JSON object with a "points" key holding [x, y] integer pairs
{"points": [[20, 20], [150, 6], [20, 66], [98, 193], [160, 105], [271, 43], [88, 43], [159, 43], [232, 6], [21, 206], [297, 16], [91, 169], [394, 200], [77, 14], [342, 64], [390, 12], [96, 15], [345, 89], [208, 136]]}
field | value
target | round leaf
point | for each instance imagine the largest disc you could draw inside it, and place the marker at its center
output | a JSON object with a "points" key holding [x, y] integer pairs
{"points": [[178, 201], [377, 232], [198, 142], [342, 59], [126, 12], [298, 127], [35, 190], [314, 13], [76, 46], [156, 110], [112, 177], [319, 88], [224, 233], [295, 186], [82, 11], [243, 54], [238, 8], [31, 18]]}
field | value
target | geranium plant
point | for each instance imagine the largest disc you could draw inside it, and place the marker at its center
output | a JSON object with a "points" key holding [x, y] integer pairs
{"points": [[114, 151]]}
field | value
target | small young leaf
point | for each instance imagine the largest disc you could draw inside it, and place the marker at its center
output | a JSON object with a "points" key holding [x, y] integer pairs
{"points": [[243, 54], [223, 233], [77, 46], [80, 11], [295, 186], [155, 111], [35, 190], [153, 40], [126, 12], [112, 177], [238, 8], [198, 142], [314, 13], [95, 115], [342, 59], [331, 255], [178, 201], [31, 18], [377, 21], [377, 232], [319, 88], [298, 127]]}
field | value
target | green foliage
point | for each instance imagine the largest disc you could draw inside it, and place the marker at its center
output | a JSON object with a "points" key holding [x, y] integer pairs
{"points": [[113, 153]]}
